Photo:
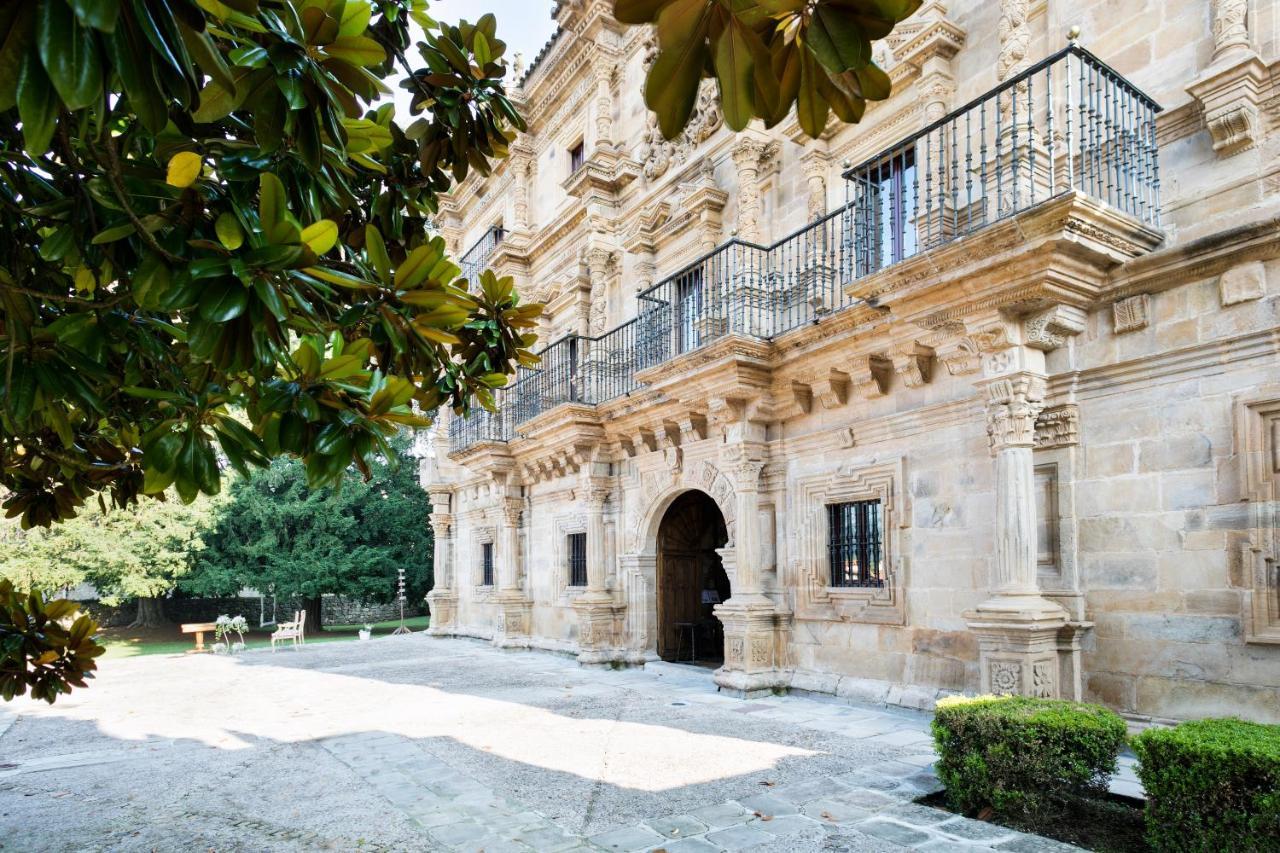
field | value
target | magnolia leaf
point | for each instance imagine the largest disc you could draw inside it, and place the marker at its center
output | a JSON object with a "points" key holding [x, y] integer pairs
{"points": [[184, 169], [228, 230], [321, 236]]}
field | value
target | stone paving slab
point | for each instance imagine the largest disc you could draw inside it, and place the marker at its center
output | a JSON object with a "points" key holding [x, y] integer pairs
{"points": [[417, 743]]}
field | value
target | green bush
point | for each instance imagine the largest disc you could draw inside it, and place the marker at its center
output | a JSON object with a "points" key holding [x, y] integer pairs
{"points": [[1212, 785], [1024, 758]]}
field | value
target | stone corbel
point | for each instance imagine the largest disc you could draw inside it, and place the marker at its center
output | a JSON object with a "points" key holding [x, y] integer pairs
{"points": [[643, 441], [831, 388], [793, 400], [913, 364], [1050, 329], [870, 379]]}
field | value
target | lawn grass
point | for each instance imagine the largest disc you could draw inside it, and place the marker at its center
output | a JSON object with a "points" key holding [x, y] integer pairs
{"points": [[169, 639]]}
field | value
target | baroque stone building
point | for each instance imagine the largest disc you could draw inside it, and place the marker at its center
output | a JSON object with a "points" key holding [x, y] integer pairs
{"points": [[982, 394]]}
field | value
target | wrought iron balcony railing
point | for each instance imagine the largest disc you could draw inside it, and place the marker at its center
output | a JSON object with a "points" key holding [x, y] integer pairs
{"points": [[1068, 123], [475, 259]]}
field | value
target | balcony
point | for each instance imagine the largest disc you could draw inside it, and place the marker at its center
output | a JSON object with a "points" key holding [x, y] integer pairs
{"points": [[1069, 124], [476, 259]]}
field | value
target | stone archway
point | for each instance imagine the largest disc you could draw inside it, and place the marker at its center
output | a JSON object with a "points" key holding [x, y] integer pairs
{"points": [[691, 580], [648, 498]]}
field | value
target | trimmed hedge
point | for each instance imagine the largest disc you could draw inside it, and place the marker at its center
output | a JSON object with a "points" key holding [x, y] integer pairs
{"points": [[1212, 785], [1023, 758]]}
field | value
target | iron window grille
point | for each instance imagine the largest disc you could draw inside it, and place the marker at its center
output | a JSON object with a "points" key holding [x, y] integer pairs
{"points": [[855, 544], [577, 559], [486, 564]]}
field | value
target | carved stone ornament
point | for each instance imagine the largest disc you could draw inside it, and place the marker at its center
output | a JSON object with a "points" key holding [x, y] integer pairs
{"points": [[1132, 314], [1006, 677], [658, 154]]}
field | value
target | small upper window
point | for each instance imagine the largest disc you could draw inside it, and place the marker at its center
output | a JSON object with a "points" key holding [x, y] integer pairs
{"points": [[855, 539], [486, 564], [577, 156], [577, 559]]}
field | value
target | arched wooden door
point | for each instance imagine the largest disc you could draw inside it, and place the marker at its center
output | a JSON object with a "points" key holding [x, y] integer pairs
{"points": [[691, 579]]}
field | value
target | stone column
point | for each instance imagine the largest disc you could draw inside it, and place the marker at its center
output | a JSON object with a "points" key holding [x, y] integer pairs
{"points": [[604, 71], [599, 262], [443, 598], [513, 606], [747, 154], [750, 665], [815, 164], [595, 607], [1017, 628], [1230, 30], [522, 160]]}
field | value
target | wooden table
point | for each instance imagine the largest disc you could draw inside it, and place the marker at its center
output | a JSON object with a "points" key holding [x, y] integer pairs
{"points": [[198, 628]]}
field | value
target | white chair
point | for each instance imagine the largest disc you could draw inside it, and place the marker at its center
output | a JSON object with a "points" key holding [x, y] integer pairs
{"points": [[293, 631]]}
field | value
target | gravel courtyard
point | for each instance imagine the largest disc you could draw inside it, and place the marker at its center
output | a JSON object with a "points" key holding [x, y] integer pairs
{"points": [[415, 743]]}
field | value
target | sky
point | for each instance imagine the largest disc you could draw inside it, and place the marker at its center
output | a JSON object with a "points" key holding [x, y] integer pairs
{"points": [[525, 25]]}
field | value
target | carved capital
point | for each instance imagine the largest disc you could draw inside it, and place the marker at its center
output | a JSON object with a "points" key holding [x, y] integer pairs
{"points": [[441, 524], [1013, 404], [511, 511], [746, 461], [1058, 426]]}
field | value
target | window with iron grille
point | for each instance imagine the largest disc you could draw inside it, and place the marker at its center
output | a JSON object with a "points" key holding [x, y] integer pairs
{"points": [[855, 550], [577, 559], [577, 156], [486, 564]]}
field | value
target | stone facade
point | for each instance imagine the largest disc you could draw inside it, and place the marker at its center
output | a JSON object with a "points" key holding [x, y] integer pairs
{"points": [[1061, 394]]}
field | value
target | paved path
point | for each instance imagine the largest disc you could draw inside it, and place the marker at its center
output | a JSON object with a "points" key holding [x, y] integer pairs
{"points": [[412, 743]]}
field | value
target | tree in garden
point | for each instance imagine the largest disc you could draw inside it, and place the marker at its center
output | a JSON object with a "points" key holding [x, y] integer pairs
{"points": [[214, 244], [769, 56], [135, 553], [277, 534], [205, 219]]}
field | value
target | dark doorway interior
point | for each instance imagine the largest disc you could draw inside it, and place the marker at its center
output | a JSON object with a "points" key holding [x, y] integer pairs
{"points": [[691, 580]]}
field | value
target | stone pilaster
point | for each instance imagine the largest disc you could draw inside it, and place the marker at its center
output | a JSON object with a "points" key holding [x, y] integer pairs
{"points": [[443, 598], [514, 606], [595, 607], [749, 616], [600, 264], [1017, 628]]}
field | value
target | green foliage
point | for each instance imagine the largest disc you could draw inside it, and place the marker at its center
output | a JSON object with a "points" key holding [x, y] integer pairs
{"points": [[205, 215], [38, 651], [134, 552], [1212, 785], [1022, 757], [767, 56], [274, 533]]}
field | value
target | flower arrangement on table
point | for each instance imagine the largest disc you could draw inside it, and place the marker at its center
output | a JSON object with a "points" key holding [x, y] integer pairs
{"points": [[223, 627]]}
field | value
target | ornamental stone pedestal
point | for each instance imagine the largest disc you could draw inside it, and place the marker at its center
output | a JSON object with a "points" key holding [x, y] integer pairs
{"points": [[749, 616], [514, 607], [595, 607], [443, 599], [1017, 628]]}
